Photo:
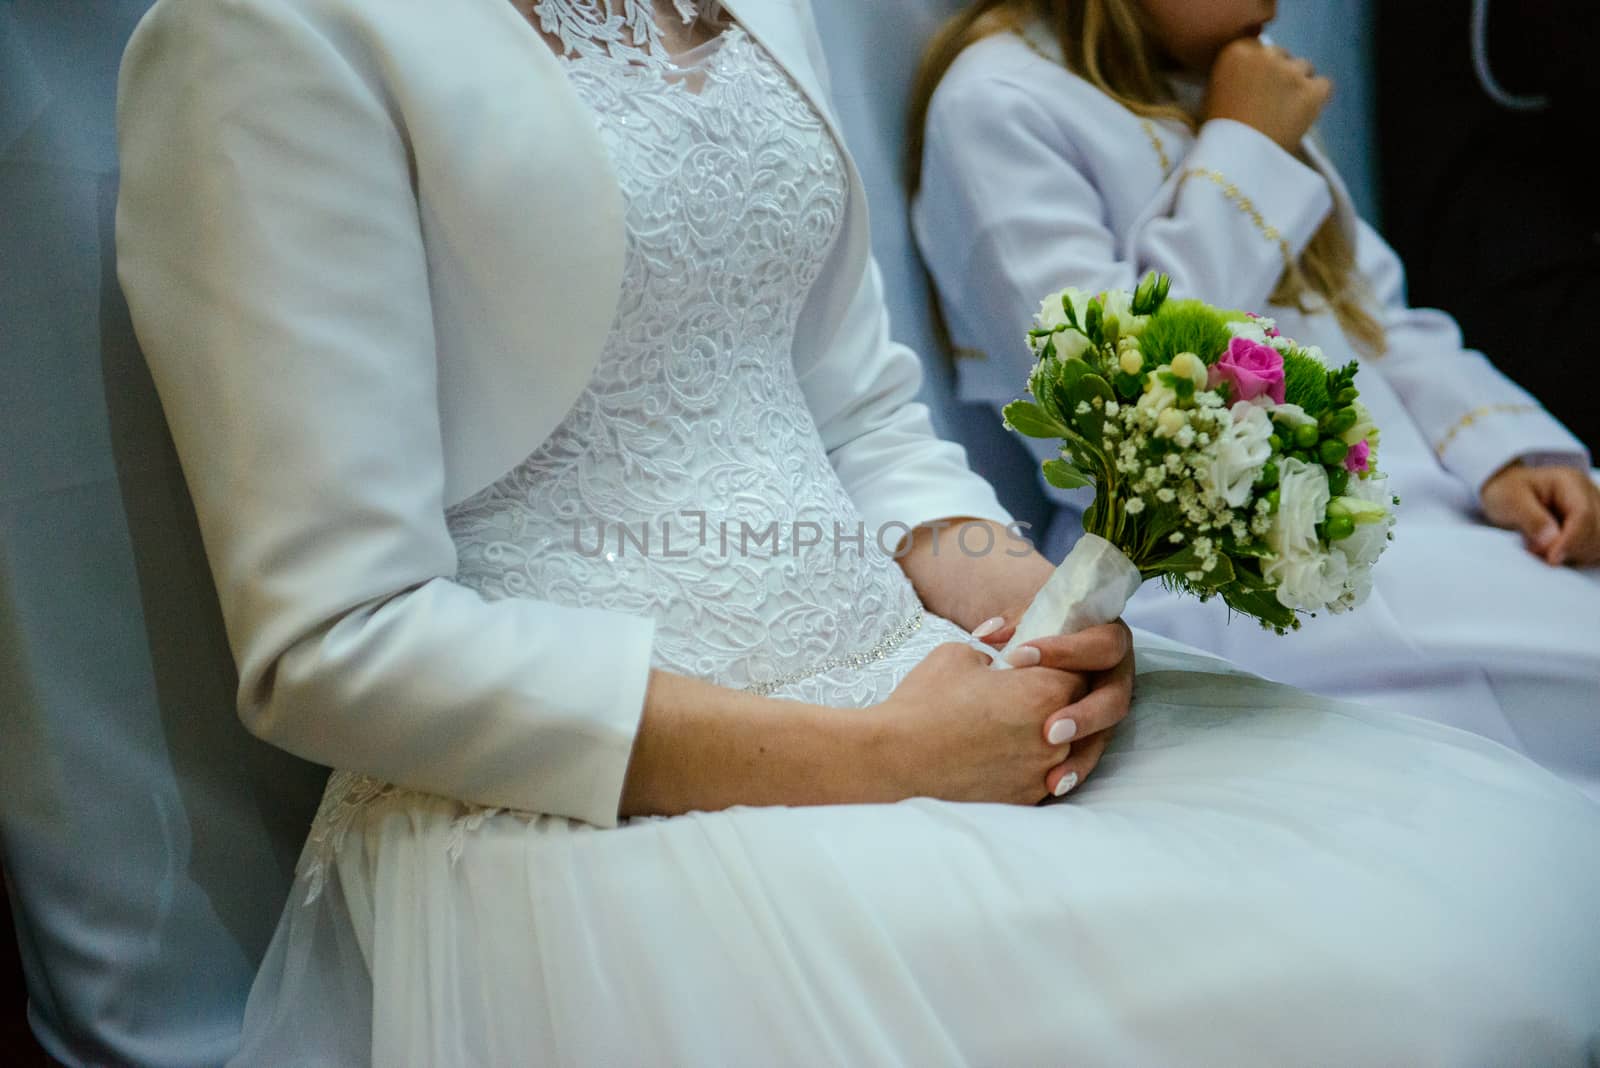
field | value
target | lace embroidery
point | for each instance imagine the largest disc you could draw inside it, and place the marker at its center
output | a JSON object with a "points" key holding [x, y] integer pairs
{"points": [[693, 418], [591, 28], [346, 795]]}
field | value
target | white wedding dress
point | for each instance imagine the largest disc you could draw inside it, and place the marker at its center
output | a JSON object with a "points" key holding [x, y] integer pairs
{"points": [[1252, 876]]}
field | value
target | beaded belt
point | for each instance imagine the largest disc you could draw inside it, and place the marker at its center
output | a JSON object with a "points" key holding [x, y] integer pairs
{"points": [[892, 641]]}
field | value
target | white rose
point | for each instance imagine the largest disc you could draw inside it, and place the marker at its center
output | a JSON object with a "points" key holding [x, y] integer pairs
{"points": [[1299, 567], [1366, 544], [1051, 314], [1069, 344], [1248, 328], [1302, 502], [1237, 454], [1118, 310], [1364, 429], [1310, 582]]}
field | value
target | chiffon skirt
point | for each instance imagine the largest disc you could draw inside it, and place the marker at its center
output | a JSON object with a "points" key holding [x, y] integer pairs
{"points": [[1252, 876]]}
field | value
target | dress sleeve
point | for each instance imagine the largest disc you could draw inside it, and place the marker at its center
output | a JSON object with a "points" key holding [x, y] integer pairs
{"points": [[272, 257], [1476, 419]]}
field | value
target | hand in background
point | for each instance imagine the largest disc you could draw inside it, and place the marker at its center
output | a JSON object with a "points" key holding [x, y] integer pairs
{"points": [[1265, 87], [1102, 658], [1557, 510]]}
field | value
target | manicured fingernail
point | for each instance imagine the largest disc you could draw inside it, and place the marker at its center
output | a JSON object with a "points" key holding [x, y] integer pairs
{"points": [[1060, 731], [1068, 781], [1024, 656], [989, 626]]}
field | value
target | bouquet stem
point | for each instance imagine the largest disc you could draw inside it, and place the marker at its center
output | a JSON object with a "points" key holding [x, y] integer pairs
{"points": [[1090, 587]]}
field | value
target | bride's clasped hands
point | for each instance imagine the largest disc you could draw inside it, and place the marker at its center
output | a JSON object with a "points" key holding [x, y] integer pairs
{"points": [[956, 730], [953, 729]]}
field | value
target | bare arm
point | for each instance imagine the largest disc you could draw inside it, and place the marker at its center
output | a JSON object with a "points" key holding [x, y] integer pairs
{"points": [[952, 729], [972, 570]]}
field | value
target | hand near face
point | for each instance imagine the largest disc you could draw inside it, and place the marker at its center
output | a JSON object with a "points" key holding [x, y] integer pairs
{"points": [[1267, 88]]}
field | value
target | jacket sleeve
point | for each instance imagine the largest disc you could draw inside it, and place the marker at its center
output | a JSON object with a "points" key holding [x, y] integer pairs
{"points": [[1010, 209], [271, 253], [862, 388], [1476, 419]]}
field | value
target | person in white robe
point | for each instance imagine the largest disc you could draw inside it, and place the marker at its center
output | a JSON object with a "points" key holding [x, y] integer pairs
{"points": [[1032, 178]]}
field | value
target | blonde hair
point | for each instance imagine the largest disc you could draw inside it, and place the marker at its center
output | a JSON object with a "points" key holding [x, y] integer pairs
{"points": [[1108, 44]]}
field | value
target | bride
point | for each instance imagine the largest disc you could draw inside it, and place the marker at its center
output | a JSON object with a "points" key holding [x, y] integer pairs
{"points": [[563, 489]]}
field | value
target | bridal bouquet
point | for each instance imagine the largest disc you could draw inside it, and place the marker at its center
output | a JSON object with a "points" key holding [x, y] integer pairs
{"points": [[1227, 460]]}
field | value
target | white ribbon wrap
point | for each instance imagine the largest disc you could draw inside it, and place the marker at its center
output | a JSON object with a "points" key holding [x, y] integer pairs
{"points": [[1090, 587]]}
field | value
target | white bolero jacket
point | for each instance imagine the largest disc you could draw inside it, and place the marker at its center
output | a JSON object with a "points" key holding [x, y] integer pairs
{"points": [[372, 251], [1033, 179]]}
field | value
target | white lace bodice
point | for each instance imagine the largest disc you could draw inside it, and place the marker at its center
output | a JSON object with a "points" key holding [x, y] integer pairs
{"points": [[693, 439], [688, 474]]}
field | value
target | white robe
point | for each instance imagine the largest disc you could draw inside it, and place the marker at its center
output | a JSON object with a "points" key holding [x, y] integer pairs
{"points": [[1034, 180]]}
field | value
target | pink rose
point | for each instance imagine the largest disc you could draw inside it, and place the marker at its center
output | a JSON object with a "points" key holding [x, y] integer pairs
{"points": [[1355, 461], [1251, 368]]}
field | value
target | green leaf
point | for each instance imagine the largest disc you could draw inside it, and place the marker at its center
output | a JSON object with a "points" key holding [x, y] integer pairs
{"points": [[1068, 372], [1063, 475], [1088, 387], [1030, 420], [1259, 604], [1186, 559], [1086, 390], [1063, 398], [1128, 386]]}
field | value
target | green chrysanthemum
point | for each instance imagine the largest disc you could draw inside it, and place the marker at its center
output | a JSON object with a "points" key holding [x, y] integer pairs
{"points": [[1184, 326]]}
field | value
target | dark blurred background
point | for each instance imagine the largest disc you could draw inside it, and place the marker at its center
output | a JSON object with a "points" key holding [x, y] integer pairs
{"points": [[1492, 203]]}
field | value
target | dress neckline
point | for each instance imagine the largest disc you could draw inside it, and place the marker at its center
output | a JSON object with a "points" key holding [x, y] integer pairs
{"points": [[588, 29]]}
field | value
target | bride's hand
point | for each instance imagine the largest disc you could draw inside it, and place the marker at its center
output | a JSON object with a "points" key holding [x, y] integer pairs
{"points": [[956, 730], [1103, 657]]}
